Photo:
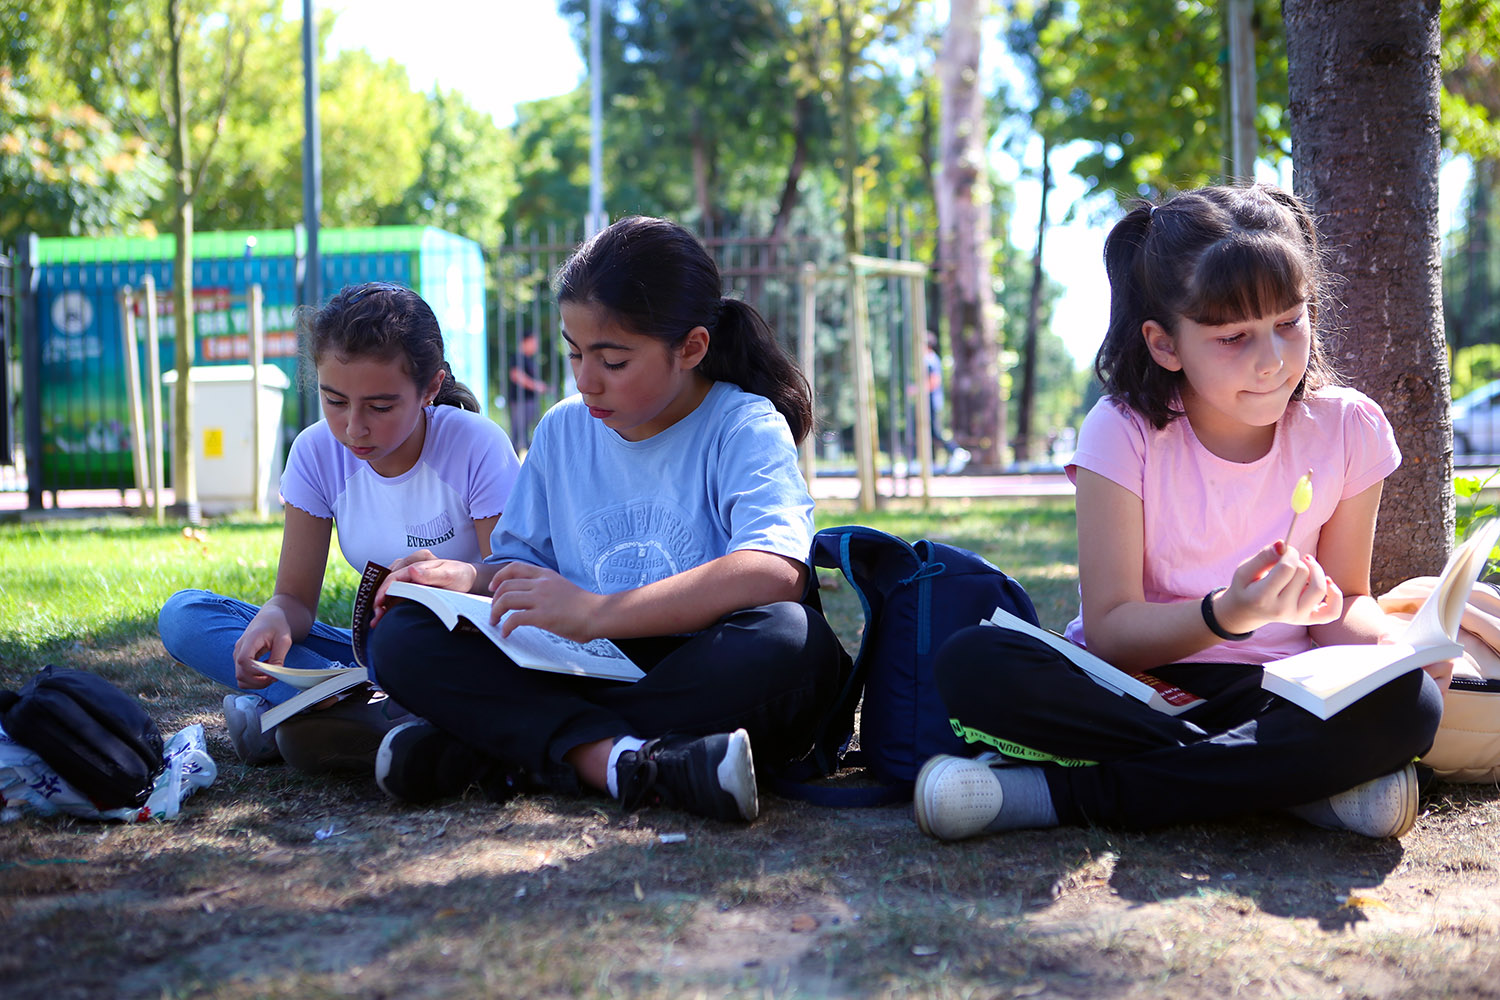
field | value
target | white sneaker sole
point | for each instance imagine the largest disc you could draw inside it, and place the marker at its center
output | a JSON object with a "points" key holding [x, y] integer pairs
{"points": [[736, 774], [955, 797]]}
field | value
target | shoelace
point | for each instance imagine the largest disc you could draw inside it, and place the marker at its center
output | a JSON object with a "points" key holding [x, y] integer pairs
{"points": [[638, 776]]}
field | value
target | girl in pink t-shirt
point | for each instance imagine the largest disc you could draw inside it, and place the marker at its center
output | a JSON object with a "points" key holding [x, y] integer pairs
{"points": [[1218, 398]]}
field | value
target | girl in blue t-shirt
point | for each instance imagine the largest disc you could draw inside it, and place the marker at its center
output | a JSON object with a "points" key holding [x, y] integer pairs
{"points": [[1218, 399], [662, 508], [403, 461]]}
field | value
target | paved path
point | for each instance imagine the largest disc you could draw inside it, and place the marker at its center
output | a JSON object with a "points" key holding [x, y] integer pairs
{"points": [[82, 502]]}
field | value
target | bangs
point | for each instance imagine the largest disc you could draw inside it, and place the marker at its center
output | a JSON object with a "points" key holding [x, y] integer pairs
{"points": [[1244, 277]]}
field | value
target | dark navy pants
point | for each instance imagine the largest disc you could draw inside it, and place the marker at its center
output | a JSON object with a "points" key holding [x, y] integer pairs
{"points": [[773, 670], [1112, 760]]}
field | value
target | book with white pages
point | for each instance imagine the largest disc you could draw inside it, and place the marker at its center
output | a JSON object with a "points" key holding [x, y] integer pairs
{"points": [[526, 645], [1144, 687], [1326, 679]]}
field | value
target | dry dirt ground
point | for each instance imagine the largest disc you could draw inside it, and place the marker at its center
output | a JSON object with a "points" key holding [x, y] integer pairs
{"points": [[273, 884]]}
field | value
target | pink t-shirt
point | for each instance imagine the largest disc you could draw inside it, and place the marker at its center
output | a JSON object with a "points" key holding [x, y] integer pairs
{"points": [[1205, 515]]}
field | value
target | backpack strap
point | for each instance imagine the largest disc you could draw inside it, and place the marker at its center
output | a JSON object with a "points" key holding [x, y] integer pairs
{"points": [[837, 548], [795, 782]]}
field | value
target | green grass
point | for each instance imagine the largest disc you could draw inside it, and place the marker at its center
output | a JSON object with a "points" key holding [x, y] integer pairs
{"points": [[102, 581], [552, 896]]}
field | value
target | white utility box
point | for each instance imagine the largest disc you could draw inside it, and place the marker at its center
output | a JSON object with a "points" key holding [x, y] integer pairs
{"points": [[223, 433]]}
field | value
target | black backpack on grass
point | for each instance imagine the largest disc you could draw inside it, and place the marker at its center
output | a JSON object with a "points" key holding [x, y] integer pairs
{"points": [[96, 737]]}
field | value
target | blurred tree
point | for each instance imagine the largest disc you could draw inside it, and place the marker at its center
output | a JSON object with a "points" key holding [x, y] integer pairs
{"points": [[169, 75], [66, 171], [552, 165], [1143, 81], [1027, 22], [1471, 126], [467, 175], [966, 254]]}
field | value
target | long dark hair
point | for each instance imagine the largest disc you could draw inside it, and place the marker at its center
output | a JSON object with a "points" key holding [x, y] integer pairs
{"points": [[385, 321], [1214, 255], [655, 279]]}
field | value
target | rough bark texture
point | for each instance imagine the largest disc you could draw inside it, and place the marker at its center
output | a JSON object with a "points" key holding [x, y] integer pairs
{"points": [[184, 461], [964, 233], [1364, 83]]}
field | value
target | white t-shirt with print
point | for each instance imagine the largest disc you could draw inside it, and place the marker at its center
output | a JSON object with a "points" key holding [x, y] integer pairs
{"points": [[465, 473]]}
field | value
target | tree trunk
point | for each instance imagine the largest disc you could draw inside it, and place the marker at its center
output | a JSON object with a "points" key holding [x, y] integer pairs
{"points": [[963, 203], [788, 201], [1033, 319], [1364, 81], [184, 464]]}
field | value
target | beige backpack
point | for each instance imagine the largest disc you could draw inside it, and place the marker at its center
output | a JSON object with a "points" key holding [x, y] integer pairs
{"points": [[1467, 746]]}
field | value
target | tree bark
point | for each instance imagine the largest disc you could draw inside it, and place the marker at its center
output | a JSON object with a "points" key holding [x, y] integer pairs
{"points": [[963, 203], [1364, 81], [1027, 402], [184, 462]]}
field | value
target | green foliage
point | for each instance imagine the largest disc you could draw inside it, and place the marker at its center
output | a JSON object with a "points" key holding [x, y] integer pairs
{"points": [[467, 174], [1144, 82], [1473, 367], [1471, 80], [66, 171]]}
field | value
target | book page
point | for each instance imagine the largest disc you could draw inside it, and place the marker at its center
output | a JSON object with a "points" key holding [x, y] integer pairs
{"points": [[527, 645]]}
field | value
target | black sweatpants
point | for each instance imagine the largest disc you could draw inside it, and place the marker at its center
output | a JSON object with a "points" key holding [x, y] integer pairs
{"points": [[1111, 759], [773, 670]]}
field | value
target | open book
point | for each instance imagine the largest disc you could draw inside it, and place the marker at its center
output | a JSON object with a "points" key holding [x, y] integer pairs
{"points": [[1165, 698], [337, 682], [1326, 679], [526, 646]]}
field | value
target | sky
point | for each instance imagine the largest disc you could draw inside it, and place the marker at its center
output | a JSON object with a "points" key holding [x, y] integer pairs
{"points": [[498, 53]]}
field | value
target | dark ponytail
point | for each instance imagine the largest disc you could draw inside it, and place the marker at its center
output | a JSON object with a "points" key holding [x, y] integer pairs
{"points": [[655, 279], [1124, 366], [385, 321]]}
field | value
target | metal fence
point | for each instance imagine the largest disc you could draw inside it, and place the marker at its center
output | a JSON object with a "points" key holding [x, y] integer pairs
{"points": [[770, 274], [77, 418]]}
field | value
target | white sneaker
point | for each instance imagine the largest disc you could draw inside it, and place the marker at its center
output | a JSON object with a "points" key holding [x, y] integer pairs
{"points": [[1382, 807], [958, 461], [956, 797], [242, 714]]}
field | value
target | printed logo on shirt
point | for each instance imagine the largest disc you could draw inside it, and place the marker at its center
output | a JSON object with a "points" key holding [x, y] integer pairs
{"points": [[430, 534], [636, 543]]}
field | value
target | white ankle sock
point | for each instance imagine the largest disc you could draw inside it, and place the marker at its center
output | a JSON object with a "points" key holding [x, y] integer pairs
{"points": [[621, 745], [1026, 804]]}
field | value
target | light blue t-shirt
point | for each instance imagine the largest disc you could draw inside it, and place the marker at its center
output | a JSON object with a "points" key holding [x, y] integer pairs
{"points": [[611, 515]]}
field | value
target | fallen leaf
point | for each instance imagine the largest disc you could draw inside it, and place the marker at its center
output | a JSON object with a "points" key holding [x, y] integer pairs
{"points": [[804, 922], [1357, 901]]}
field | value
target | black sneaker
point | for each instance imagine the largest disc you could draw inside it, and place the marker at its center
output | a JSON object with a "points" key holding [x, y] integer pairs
{"points": [[711, 776], [419, 763], [345, 737]]}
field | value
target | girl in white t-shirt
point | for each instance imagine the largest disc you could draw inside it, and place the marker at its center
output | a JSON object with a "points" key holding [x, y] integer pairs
{"points": [[1218, 399], [403, 462], [662, 508]]}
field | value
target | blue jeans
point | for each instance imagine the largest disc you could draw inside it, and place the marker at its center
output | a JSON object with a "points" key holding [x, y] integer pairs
{"points": [[200, 628]]}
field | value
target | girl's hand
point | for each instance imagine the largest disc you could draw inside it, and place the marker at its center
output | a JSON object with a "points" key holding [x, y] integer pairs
{"points": [[542, 597], [1442, 671], [424, 568], [267, 637], [1279, 584]]}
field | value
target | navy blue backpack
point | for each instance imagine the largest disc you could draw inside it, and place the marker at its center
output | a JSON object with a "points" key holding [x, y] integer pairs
{"points": [[913, 596]]}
